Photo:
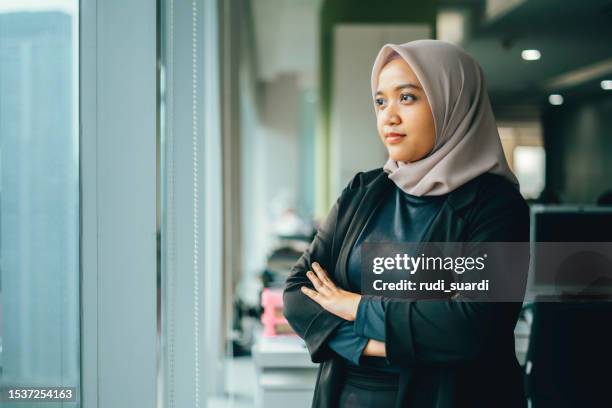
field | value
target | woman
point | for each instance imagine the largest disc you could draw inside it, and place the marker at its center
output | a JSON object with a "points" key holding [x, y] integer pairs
{"points": [[446, 180]]}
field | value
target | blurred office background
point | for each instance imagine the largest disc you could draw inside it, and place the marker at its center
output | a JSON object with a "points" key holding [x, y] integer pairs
{"points": [[163, 165]]}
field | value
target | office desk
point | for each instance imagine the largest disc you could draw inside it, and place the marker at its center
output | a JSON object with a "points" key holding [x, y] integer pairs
{"points": [[285, 374]]}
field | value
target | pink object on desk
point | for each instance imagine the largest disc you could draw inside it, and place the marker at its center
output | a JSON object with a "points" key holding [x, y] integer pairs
{"points": [[272, 317]]}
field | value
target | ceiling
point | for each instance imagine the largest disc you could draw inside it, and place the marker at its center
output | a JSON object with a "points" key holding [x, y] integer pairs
{"points": [[574, 38]]}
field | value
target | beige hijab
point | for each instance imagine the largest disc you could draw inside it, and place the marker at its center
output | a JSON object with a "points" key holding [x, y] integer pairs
{"points": [[467, 142]]}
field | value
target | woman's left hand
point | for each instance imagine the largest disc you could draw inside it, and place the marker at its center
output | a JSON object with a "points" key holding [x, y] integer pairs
{"points": [[335, 300]]}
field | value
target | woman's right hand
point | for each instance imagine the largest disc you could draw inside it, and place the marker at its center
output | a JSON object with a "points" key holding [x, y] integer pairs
{"points": [[374, 348]]}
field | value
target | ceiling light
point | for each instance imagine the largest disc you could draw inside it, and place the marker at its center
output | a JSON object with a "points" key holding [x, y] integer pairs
{"points": [[531, 55], [606, 85], [555, 99]]}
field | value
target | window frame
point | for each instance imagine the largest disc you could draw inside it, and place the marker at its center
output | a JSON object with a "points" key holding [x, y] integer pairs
{"points": [[118, 136]]}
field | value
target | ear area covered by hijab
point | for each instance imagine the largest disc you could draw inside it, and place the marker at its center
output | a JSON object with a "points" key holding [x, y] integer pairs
{"points": [[467, 141]]}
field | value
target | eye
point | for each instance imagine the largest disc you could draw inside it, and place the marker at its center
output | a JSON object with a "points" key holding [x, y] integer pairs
{"points": [[404, 97], [379, 101]]}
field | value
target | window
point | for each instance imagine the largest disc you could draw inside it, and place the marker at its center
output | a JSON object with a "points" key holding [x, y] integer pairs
{"points": [[529, 166], [39, 194], [523, 145]]}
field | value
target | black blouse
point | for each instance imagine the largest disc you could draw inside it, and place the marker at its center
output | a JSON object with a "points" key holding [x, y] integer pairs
{"points": [[400, 218], [452, 353]]}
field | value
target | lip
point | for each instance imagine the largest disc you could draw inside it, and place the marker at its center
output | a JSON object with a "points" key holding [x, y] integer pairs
{"points": [[393, 137]]}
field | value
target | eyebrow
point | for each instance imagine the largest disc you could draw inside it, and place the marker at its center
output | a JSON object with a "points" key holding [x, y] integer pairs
{"points": [[401, 86]]}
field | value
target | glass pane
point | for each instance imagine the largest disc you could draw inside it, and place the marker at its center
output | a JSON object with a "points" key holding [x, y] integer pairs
{"points": [[39, 197]]}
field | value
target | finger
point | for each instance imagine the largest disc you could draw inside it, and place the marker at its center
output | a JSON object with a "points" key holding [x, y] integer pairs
{"points": [[319, 286], [310, 293], [314, 279], [322, 275]]}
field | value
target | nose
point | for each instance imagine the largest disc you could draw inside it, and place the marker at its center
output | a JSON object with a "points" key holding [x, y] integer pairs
{"points": [[391, 116]]}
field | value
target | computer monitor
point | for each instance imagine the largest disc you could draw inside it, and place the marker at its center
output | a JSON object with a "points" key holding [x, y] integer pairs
{"points": [[571, 250]]}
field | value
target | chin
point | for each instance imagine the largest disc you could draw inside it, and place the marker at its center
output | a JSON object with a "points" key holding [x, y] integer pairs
{"points": [[400, 156]]}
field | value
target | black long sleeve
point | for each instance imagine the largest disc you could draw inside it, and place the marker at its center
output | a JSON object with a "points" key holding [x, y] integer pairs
{"points": [[447, 332], [310, 321]]}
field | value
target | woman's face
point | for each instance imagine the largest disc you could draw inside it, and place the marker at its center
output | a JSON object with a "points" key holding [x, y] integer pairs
{"points": [[403, 115]]}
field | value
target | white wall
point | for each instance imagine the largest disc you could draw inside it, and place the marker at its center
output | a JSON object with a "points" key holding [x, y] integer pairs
{"points": [[286, 37], [270, 165], [279, 132], [278, 79]]}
